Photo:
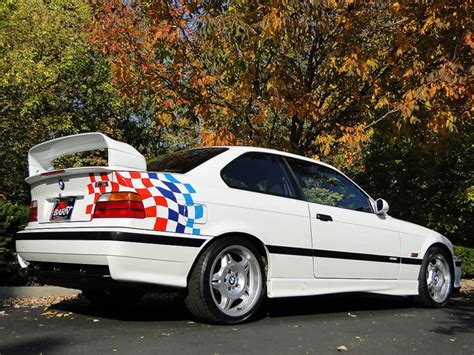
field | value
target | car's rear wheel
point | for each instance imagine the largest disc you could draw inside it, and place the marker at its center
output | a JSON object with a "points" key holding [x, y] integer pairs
{"points": [[227, 283], [115, 297], [435, 279]]}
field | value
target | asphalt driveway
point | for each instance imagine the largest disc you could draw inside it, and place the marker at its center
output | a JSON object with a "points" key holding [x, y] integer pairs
{"points": [[360, 323]]}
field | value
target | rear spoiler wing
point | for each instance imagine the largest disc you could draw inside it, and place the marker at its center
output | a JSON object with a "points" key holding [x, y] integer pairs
{"points": [[121, 156]]}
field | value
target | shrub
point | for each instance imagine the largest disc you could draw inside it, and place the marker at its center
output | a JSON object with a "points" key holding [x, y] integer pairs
{"points": [[466, 255], [12, 218]]}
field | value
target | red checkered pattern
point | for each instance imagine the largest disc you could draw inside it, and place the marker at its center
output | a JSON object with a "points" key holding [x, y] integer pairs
{"points": [[96, 191], [156, 206]]}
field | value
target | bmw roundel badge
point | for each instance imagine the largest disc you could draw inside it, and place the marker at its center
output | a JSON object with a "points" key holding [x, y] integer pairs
{"points": [[61, 184]]}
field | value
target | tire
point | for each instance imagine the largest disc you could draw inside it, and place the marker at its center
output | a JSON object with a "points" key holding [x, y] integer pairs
{"points": [[435, 280], [116, 297], [227, 284]]}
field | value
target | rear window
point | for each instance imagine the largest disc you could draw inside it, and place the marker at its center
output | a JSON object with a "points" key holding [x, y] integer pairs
{"points": [[183, 161], [259, 172]]}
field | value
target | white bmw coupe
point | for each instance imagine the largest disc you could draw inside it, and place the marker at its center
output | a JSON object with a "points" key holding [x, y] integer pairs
{"points": [[227, 225]]}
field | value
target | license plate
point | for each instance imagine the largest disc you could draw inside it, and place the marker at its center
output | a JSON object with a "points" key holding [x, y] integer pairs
{"points": [[62, 210]]}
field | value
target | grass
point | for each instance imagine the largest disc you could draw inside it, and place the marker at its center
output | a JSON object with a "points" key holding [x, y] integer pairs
{"points": [[466, 255]]}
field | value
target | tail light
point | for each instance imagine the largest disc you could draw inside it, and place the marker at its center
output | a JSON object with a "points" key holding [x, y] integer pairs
{"points": [[119, 205], [33, 212]]}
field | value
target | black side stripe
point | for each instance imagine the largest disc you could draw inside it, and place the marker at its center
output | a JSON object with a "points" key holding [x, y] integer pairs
{"points": [[115, 236], [355, 256], [274, 249], [412, 261]]}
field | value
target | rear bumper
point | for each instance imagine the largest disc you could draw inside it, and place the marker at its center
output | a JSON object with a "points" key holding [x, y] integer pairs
{"points": [[121, 254]]}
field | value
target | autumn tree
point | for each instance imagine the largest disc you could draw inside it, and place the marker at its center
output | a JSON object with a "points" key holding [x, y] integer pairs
{"points": [[313, 77], [53, 83]]}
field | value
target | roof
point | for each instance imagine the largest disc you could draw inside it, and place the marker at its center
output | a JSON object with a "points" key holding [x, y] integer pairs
{"points": [[243, 149]]}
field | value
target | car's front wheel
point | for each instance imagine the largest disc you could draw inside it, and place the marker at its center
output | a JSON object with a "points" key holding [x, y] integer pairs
{"points": [[435, 279], [227, 283]]}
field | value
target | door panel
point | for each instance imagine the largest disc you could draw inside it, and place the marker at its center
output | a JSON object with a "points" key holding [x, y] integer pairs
{"points": [[354, 244], [349, 240]]}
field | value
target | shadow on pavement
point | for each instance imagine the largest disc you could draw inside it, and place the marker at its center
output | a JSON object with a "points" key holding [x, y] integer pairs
{"points": [[171, 307], [33, 346], [154, 307], [336, 303], [461, 310]]}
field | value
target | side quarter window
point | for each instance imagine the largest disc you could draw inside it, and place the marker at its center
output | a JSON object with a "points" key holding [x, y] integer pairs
{"points": [[260, 172], [326, 186]]}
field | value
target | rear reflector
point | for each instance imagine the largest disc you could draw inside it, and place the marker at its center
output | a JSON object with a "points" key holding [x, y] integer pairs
{"points": [[33, 212], [119, 205]]}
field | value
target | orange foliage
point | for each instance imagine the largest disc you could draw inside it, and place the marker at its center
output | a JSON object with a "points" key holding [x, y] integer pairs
{"points": [[302, 76]]}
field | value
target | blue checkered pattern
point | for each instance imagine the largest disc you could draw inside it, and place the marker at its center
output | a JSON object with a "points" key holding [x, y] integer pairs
{"points": [[180, 216], [168, 202]]}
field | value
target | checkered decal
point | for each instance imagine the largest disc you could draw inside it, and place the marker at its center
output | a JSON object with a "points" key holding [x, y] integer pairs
{"points": [[99, 184], [169, 204]]}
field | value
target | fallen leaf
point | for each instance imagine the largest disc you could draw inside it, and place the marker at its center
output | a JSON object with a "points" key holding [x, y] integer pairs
{"points": [[49, 314]]}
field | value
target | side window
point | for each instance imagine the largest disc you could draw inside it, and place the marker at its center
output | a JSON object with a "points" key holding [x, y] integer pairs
{"points": [[326, 186], [259, 172]]}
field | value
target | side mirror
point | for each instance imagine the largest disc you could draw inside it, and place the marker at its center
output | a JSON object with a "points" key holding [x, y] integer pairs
{"points": [[381, 206]]}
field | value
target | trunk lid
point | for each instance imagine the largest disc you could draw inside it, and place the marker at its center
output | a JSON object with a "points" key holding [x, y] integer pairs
{"points": [[69, 195]]}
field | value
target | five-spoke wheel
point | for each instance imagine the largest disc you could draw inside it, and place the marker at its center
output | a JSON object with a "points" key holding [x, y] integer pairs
{"points": [[227, 283], [435, 280], [236, 280]]}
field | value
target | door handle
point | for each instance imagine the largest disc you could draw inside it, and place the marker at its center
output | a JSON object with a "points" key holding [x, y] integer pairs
{"points": [[324, 217]]}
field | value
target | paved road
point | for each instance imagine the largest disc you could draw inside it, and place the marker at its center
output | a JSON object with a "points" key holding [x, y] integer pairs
{"points": [[365, 324]]}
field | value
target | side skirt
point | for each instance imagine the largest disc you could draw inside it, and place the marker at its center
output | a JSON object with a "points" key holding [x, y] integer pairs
{"points": [[280, 287]]}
